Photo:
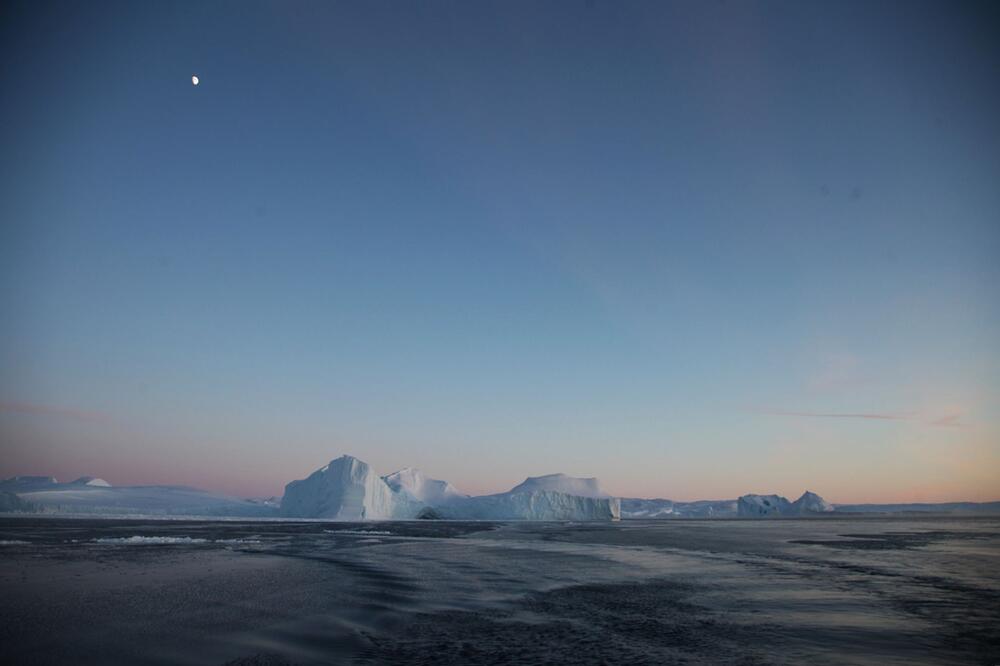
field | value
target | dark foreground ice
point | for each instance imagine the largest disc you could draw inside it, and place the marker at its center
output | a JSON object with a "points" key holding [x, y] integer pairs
{"points": [[821, 591]]}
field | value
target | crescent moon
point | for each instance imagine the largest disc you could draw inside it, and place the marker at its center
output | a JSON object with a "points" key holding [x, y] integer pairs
{"points": [[194, 80]]}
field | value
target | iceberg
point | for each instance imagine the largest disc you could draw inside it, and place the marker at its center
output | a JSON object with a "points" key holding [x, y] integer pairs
{"points": [[636, 509], [761, 506], [810, 503], [534, 505], [346, 489], [766, 506], [90, 495], [549, 497]]}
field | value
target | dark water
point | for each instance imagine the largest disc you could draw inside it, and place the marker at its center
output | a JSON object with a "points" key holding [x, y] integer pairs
{"points": [[826, 591]]}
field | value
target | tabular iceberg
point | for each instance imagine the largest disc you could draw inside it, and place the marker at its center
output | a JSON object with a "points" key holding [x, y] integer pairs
{"points": [[534, 505], [550, 497]]}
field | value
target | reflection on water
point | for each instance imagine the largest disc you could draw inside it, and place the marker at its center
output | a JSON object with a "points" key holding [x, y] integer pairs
{"points": [[862, 590]]}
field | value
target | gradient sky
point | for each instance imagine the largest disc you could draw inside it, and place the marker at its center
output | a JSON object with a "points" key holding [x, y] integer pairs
{"points": [[696, 249]]}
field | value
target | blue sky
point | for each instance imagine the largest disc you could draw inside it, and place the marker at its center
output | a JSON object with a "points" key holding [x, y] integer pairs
{"points": [[694, 249]]}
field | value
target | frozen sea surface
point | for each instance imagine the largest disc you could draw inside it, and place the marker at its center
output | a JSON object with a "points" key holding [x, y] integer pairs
{"points": [[820, 591]]}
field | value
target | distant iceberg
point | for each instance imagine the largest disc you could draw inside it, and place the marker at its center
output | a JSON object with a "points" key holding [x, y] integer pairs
{"points": [[92, 496], [762, 506], [636, 508], [747, 506], [768, 506]]}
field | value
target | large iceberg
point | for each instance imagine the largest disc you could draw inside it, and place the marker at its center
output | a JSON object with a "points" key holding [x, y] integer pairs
{"points": [[550, 497], [346, 489]]}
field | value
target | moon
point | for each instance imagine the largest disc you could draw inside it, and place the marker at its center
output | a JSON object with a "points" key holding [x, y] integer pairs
{"points": [[194, 80]]}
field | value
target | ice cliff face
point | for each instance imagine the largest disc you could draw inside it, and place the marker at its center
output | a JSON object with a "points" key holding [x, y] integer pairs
{"points": [[534, 505], [346, 489]]}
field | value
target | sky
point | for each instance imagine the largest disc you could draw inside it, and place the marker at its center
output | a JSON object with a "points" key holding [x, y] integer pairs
{"points": [[695, 249]]}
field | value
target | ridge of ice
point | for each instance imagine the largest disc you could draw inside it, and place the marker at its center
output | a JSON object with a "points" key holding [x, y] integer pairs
{"points": [[420, 488]]}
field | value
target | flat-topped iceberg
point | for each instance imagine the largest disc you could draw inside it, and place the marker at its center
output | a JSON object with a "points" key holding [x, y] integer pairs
{"points": [[549, 497], [533, 505]]}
